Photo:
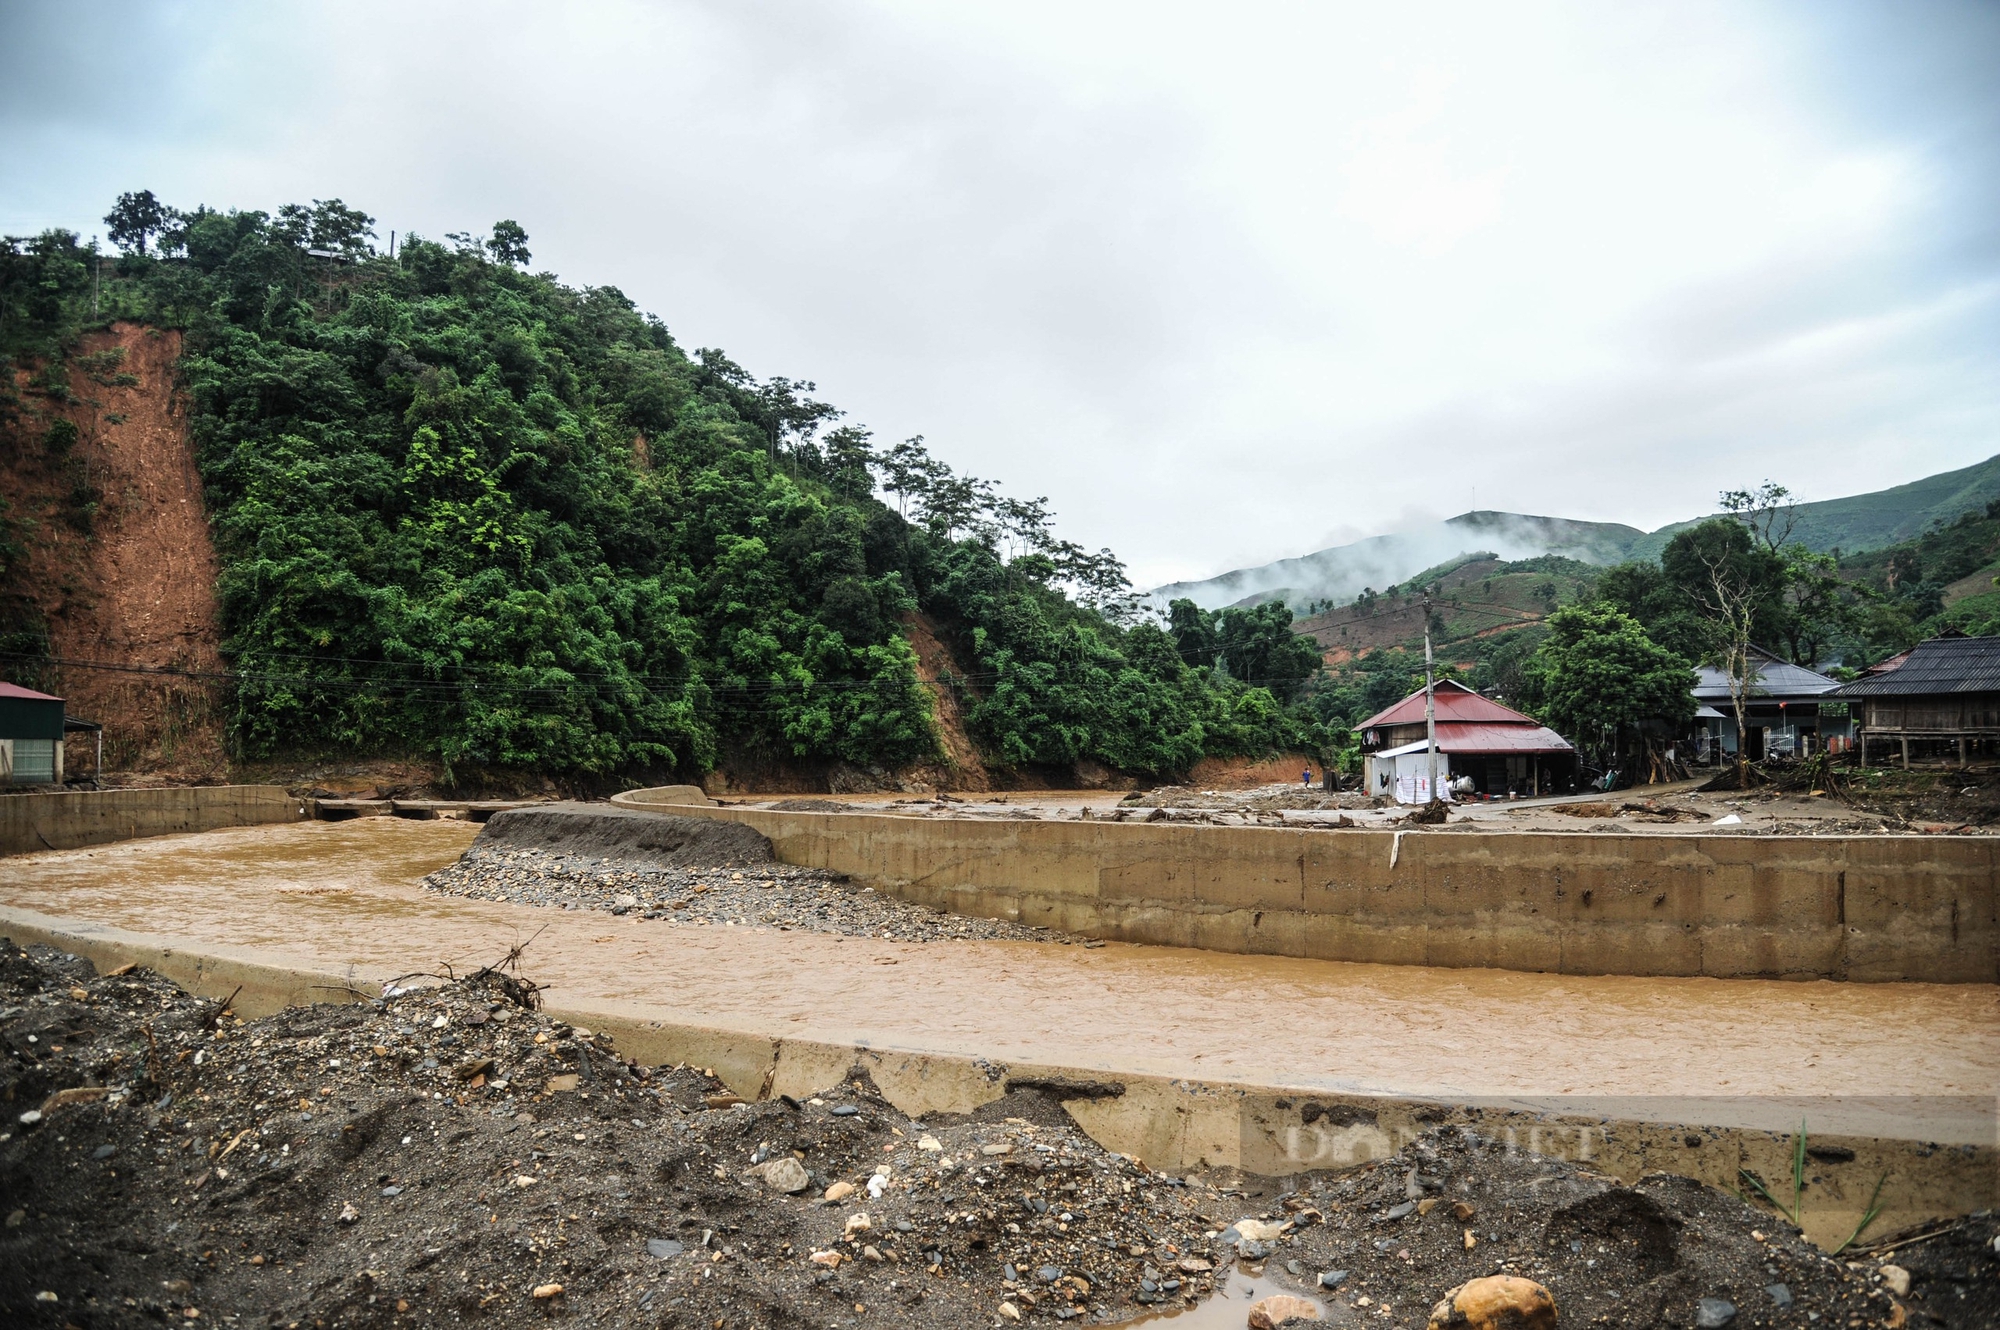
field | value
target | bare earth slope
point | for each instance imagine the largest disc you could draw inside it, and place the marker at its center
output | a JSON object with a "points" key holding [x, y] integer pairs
{"points": [[132, 582]]}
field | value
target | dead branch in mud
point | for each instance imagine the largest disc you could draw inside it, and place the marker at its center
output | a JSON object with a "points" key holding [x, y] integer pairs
{"points": [[503, 976], [214, 1018]]}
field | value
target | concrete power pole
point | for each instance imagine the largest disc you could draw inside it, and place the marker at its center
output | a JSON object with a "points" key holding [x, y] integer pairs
{"points": [[1430, 702]]}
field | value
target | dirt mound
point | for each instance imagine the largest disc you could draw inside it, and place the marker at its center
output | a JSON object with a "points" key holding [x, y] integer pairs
{"points": [[448, 1155], [120, 565], [601, 833]]}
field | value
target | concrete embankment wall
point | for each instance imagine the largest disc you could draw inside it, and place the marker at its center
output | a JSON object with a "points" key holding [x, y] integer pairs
{"points": [[75, 818], [1180, 1122], [1865, 908]]}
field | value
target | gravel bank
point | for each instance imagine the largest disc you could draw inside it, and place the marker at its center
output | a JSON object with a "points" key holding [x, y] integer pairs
{"points": [[768, 895]]}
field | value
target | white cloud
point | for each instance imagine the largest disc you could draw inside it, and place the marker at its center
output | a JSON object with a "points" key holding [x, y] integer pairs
{"points": [[1220, 282]]}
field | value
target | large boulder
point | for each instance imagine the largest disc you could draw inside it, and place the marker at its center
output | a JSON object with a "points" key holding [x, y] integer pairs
{"points": [[1497, 1302]]}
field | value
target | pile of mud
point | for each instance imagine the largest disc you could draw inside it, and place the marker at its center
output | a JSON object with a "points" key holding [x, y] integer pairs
{"points": [[605, 833], [450, 1154]]}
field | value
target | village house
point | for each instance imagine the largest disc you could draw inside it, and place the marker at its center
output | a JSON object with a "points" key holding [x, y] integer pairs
{"points": [[1942, 695], [31, 737], [1788, 712], [1498, 749]]}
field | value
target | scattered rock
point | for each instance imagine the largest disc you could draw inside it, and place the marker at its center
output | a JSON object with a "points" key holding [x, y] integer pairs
{"points": [[1497, 1302], [784, 1174], [664, 1248], [1269, 1313], [1260, 1230], [838, 1191], [1713, 1313], [1896, 1279]]}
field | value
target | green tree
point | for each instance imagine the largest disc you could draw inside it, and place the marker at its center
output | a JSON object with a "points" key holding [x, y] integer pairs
{"points": [[509, 244], [1598, 674], [1259, 647], [137, 218]]}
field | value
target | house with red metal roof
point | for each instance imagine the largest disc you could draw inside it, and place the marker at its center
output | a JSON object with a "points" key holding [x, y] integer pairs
{"points": [[1499, 750], [31, 737]]}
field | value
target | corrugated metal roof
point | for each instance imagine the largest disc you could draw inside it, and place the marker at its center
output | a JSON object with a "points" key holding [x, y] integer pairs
{"points": [[1941, 665], [1472, 740], [27, 694], [1775, 678], [1460, 738], [1454, 702]]}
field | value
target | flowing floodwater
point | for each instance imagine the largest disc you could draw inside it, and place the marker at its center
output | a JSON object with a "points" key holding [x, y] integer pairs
{"points": [[344, 896]]}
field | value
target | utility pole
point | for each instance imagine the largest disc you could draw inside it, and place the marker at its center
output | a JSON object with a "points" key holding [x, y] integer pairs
{"points": [[97, 276], [1430, 701]]}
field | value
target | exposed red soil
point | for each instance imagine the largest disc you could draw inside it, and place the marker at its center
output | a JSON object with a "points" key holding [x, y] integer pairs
{"points": [[934, 662], [133, 583], [1247, 773]]}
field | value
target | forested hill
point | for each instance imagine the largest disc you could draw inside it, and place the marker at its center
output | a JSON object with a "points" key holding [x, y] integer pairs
{"points": [[467, 512]]}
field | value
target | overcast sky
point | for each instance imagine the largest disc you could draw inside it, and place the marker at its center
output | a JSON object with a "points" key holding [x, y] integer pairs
{"points": [[1226, 282]]}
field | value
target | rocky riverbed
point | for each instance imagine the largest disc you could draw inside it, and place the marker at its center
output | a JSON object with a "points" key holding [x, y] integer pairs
{"points": [[449, 1153]]}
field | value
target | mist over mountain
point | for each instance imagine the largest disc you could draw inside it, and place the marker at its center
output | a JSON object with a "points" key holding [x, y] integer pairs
{"points": [[1852, 524], [1343, 572]]}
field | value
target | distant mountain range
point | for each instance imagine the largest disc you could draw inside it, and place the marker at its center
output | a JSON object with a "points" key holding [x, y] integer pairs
{"points": [[1860, 522]]}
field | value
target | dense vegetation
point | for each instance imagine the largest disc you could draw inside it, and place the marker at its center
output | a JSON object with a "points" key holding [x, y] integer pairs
{"points": [[469, 512]]}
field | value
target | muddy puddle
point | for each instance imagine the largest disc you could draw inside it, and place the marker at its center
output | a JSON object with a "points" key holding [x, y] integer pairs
{"points": [[1229, 1307], [343, 896]]}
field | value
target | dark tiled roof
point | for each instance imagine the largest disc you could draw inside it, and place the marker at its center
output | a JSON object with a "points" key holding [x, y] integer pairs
{"points": [[1941, 665], [1775, 677]]}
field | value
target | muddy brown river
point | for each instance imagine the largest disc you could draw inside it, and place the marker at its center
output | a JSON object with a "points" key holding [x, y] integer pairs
{"points": [[342, 896]]}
